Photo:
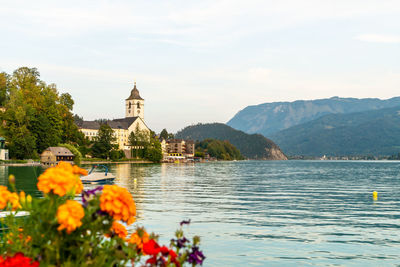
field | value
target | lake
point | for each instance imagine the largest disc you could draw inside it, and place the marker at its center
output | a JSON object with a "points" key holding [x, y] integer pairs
{"points": [[267, 213]]}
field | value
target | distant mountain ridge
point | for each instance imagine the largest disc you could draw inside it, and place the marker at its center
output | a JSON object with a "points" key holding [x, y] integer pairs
{"points": [[372, 132], [269, 118], [254, 146]]}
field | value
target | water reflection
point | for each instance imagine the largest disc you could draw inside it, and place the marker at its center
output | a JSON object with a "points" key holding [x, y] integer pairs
{"points": [[25, 177], [270, 213]]}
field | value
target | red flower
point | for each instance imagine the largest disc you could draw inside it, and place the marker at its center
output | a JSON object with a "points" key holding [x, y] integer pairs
{"points": [[151, 247], [164, 250], [18, 260]]}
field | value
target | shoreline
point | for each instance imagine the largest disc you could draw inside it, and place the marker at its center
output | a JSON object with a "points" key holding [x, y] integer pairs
{"points": [[21, 164], [111, 162]]}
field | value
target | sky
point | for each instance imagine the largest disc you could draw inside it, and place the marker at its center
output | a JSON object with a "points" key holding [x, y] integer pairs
{"points": [[203, 61]]}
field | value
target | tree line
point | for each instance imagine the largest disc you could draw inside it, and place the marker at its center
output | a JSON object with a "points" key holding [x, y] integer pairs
{"points": [[36, 116], [144, 145], [217, 149]]}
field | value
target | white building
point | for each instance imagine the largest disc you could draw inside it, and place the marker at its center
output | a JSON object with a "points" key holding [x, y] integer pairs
{"points": [[134, 119]]}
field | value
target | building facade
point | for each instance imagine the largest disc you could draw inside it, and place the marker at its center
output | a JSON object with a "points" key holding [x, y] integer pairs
{"points": [[134, 120], [177, 148], [51, 156]]}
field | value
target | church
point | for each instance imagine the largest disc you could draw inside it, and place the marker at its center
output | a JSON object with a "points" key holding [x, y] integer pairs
{"points": [[134, 119]]}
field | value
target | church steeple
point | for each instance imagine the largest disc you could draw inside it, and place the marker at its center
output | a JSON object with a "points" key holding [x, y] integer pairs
{"points": [[134, 104], [134, 94]]}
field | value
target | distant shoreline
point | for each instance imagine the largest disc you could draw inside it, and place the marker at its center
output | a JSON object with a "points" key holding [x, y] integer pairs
{"points": [[21, 164], [110, 161]]}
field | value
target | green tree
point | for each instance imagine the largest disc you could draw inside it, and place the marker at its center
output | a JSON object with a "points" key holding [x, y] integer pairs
{"points": [[138, 141], [66, 100], [103, 144], [21, 142], [4, 85], [117, 154], [45, 115], [133, 142], [164, 134], [75, 151], [153, 150], [218, 149]]}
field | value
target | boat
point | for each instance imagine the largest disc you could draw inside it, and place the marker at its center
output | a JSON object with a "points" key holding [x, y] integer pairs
{"points": [[98, 177]]}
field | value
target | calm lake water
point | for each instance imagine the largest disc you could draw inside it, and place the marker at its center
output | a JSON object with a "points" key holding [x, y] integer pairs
{"points": [[268, 213]]}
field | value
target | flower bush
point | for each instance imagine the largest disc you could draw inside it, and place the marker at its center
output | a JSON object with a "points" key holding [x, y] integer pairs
{"points": [[63, 229]]}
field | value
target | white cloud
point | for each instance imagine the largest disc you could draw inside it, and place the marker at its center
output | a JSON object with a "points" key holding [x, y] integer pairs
{"points": [[378, 38], [212, 22]]}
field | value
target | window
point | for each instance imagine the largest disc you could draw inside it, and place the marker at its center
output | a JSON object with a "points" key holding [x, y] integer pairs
{"points": [[138, 105]]}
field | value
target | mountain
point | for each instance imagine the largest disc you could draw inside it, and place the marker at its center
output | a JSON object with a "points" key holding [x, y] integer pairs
{"points": [[254, 146], [373, 132], [269, 118]]}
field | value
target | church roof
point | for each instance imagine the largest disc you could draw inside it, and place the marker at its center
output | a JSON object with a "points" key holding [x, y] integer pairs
{"points": [[114, 124], [122, 123], [134, 94], [94, 125]]}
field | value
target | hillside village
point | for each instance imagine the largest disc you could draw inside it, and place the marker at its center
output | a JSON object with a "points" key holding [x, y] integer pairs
{"points": [[134, 122]]}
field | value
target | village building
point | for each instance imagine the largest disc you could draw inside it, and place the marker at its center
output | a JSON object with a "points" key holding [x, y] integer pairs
{"points": [[51, 156], [177, 149], [134, 120]]}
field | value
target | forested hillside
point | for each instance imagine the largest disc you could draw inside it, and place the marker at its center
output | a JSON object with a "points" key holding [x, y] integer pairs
{"points": [[375, 132], [254, 146], [218, 149]]}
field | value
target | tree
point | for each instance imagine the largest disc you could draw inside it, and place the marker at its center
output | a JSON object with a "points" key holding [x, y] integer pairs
{"points": [[117, 154], [153, 150], [66, 100], [75, 151], [133, 142], [103, 144], [164, 134], [217, 149], [4, 85], [77, 119], [21, 142], [138, 141], [36, 116]]}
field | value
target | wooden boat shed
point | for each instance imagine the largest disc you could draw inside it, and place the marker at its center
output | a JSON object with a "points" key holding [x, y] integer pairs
{"points": [[51, 156]]}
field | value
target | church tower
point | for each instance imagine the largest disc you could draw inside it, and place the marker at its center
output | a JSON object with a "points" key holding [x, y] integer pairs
{"points": [[134, 104]]}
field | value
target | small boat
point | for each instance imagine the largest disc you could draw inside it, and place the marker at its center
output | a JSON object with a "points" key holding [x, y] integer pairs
{"points": [[98, 177]]}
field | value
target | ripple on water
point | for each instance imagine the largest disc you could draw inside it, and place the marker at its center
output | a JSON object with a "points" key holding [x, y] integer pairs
{"points": [[270, 213]]}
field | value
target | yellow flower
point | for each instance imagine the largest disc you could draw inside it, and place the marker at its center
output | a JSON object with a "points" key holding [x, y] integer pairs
{"points": [[138, 238], [118, 202], [61, 179], [8, 197], [4, 193], [118, 229], [69, 215], [22, 197]]}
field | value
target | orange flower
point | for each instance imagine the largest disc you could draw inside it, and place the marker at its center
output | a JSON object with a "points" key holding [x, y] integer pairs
{"points": [[8, 197], [61, 179], [138, 238], [118, 202], [118, 229], [69, 215]]}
